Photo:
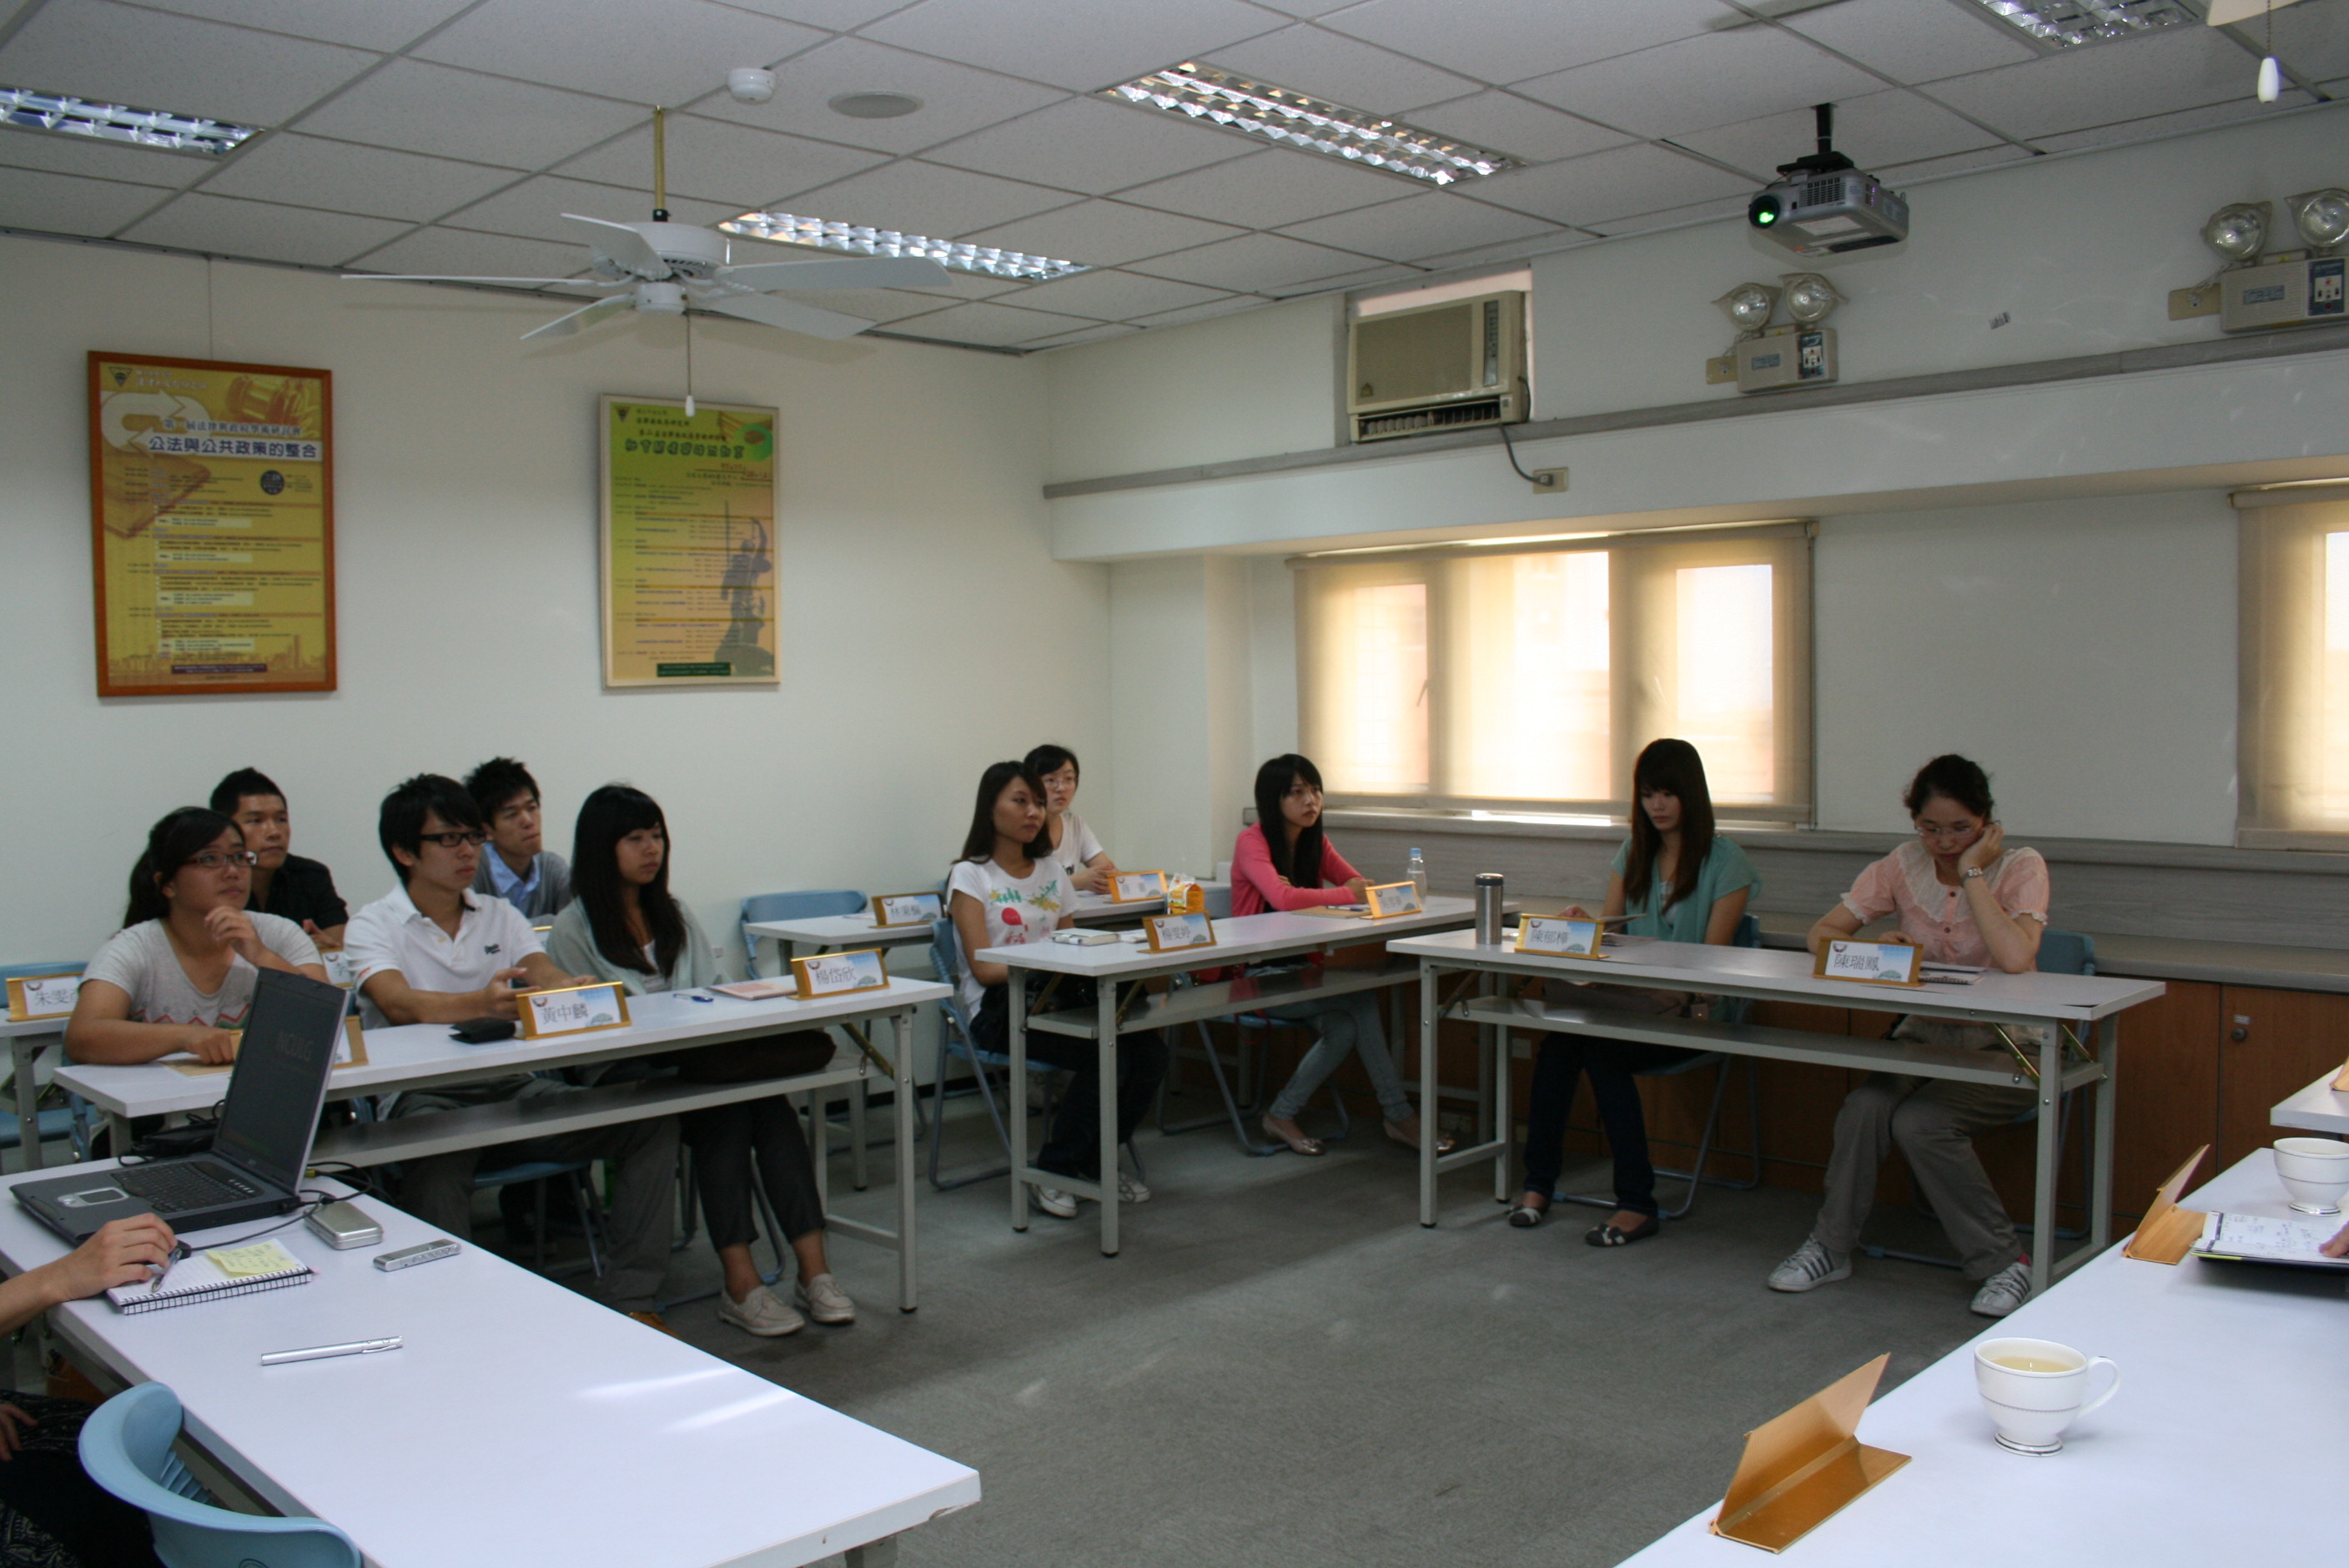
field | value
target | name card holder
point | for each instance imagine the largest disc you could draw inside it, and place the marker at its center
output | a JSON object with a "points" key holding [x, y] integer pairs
{"points": [[1871, 963], [1801, 1469], [1560, 936], [1390, 899], [1178, 932], [899, 909], [1137, 887], [838, 973], [2168, 1232], [2341, 1082], [573, 1010], [34, 996], [349, 1052]]}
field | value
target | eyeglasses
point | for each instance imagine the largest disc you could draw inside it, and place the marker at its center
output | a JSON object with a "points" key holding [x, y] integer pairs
{"points": [[451, 841], [213, 859], [1946, 835]]}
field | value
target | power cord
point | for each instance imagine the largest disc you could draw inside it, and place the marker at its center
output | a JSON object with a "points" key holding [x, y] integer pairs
{"points": [[1511, 447]]}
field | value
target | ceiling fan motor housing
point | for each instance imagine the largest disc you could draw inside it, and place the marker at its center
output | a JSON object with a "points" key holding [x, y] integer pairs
{"points": [[690, 251], [663, 299]]}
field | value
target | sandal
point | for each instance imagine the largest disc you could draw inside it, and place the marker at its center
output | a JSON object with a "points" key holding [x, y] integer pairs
{"points": [[1298, 1144], [1444, 1141], [1607, 1236], [1525, 1216]]}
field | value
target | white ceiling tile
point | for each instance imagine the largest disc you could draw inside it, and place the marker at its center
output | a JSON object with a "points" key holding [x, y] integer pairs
{"points": [[261, 231], [1715, 79], [1344, 70], [1625, 179], [1957, 163], [834, 15], [928, 198], [424, 108], [1495, 255], [1114, 296], [1674, 217], [1080, 45], [2184, 68], [1419, 226], [956, 99], [1230, 305], [1090, 335], [1253, 264], [1880, 129], [736, 164], [1275, 186], [1915, 42], [1361, 278], [648, 54], [461, 253], [102, 159], [1307, 7], [1528, 131], [64, 204], [1090, 145], [534, 210], [308, 171], [998, 326], [873, 305], [2312, 39], [1102, 234], [151, 60], [2245, 107], [1509, 40], [364, 24]]}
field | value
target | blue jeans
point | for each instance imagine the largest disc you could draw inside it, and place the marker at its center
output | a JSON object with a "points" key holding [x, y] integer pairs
{"points": [[1345, 1023]]}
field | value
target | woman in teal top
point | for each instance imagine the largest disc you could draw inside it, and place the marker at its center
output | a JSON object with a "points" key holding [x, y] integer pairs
{"points": [[1693, 887]]}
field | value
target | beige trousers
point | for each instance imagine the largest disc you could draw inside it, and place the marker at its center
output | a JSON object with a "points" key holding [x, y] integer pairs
{"points": [[1933, 1120]]}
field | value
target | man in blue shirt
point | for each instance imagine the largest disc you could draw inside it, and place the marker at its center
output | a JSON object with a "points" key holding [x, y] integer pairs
{"points": [[517, 867]]}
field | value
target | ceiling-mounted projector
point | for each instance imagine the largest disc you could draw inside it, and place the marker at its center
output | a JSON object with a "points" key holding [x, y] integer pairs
{"points": [[1824, 205]]}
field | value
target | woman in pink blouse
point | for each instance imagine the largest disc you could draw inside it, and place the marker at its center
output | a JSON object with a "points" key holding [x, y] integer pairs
{"points": [[1284, 862], [1964, 897]]}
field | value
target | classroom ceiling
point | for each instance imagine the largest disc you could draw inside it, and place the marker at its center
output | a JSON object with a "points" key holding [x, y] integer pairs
{"points": [[447, 136]]}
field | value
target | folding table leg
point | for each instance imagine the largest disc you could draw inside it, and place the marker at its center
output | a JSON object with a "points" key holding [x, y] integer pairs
{"points": [[901, 1036], [2042, 1197], [1428, 974], [1015, 1042], [1105, 998]]}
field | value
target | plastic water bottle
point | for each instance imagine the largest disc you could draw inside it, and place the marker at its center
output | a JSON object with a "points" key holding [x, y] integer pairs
{"points": [[1416, 871]]}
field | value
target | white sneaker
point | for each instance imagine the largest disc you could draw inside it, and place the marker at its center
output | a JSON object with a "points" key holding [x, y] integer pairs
{"points": [[2003, 1291], [825, 1301], [1053, 1201], [1811, 1266], [763, 1313], [1131, 1191]]}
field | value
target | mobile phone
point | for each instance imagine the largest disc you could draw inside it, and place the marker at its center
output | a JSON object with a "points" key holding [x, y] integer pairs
{"points": [[344, 1225], [422, 1252]]}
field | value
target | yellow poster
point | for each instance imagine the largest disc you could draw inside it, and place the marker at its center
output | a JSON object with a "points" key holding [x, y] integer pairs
{"points": [[211, 526], [689, 543]]}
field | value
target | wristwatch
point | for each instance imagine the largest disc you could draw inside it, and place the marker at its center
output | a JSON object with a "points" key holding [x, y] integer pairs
{"points": [[1969, 873]]}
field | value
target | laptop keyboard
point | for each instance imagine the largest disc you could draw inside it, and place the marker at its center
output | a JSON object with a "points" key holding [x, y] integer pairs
{"points": [[176, 1188]]}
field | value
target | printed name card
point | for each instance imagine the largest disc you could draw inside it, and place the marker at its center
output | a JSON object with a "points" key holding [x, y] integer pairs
{"points": [[906, 908], [34, 996], [1871, 963], [1137, 887], [1390, 899], [1175, 933], [339, 968], [837, 974], [573, 1010], [1561, 937]]}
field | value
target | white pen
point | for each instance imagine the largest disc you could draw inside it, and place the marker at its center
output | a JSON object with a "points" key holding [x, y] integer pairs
{"points": [[321, 1352]]}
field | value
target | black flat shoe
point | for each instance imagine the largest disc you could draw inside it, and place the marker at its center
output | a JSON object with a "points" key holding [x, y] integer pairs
{"points": [[1525, 1216], [1607, 1236]]}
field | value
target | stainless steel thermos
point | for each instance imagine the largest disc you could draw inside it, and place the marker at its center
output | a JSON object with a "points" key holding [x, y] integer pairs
{"points": [[1488, 909]]}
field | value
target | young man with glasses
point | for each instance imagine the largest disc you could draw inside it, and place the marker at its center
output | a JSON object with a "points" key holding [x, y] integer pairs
{"points": [[283, 884], [434, 951], [518, 868]]}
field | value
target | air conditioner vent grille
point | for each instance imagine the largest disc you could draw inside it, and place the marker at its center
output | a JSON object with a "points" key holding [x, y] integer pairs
{"points": [[1421, 421]]}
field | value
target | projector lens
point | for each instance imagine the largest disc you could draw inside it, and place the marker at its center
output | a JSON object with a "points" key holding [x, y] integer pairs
{"points": [[2323, 216], [2238, 232], [1765, 211]]}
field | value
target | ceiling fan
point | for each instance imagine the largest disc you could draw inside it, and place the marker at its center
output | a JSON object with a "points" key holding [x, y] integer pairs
{"points": [[666, 267]]}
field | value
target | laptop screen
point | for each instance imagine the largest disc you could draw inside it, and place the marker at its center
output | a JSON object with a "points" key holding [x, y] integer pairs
{"points": [[280, 1082]]}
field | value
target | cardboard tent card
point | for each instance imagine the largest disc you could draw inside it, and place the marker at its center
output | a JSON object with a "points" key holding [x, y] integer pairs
{"points": [[1802, 1468], [2168, 1232]]}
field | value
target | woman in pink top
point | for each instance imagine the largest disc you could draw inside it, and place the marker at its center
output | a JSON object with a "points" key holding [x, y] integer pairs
{"points": [[1282, 861], [1963, 897]]}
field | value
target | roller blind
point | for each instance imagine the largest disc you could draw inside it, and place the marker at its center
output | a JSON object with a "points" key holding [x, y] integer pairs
{"points": [[2294, 789]]}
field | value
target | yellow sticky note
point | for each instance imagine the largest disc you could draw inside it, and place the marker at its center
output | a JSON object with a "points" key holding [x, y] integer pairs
{"points": [[244, 1262]]}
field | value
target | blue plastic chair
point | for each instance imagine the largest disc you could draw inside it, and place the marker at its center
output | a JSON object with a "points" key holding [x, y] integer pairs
{"points": [[126, 1447], [792, 906], [71, 1120]]}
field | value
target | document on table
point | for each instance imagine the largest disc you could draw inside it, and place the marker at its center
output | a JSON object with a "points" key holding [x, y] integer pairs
{"points": [[1946, 974], [2270, 1238]]}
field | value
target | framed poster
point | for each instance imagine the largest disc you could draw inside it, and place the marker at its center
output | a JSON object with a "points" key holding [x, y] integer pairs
{"points": [[689, 543], [212, 500]]}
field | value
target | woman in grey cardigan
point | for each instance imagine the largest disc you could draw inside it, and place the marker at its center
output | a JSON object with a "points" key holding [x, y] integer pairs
{"points": [[622, 925]]}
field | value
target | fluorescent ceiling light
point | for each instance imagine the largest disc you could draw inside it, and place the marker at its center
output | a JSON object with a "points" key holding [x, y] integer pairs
{"points": [[156, 128], [857, 240], [1308, 124], [2065, 23]]}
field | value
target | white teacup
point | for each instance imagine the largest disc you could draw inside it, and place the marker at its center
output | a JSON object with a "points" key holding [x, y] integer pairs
{"points": [[2314, 1170], [2034, 1389]]}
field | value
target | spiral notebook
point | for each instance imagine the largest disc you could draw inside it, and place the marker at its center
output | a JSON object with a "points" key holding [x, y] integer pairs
{"points": [[199, 1278]]}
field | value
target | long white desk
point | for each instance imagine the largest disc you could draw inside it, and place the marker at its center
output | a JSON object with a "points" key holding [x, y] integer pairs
{"points": [[2319, 1107], [830, 933], [423, 1055], [2227, 1413], [522, 1425], [2079, 1005], [1121, 1006]]}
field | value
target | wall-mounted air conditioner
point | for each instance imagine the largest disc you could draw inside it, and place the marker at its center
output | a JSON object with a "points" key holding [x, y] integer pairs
{"points": [[1448, 367]]}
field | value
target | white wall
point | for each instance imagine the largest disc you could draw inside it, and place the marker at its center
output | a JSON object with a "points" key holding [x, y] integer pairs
{"points": [[919, 602]]}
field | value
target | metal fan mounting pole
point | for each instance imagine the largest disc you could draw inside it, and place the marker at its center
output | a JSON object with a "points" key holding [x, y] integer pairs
{"points": [[661, 166]]}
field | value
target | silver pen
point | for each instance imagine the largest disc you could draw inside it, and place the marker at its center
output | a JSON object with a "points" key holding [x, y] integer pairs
{"points": [[322, 1351]]}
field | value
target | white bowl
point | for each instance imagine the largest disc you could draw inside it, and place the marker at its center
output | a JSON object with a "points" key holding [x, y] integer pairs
{"points": [[2315, 1171]]}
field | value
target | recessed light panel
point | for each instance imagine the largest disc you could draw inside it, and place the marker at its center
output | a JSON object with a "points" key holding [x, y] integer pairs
{"points": [[856, 240], [156, 128], [2067, 23], [1293, 120]]}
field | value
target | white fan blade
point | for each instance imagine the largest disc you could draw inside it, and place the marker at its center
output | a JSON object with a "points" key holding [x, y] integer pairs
{"points": [[446, 278], [585, 315], [624, 245], [788, 315], [846, 272]]}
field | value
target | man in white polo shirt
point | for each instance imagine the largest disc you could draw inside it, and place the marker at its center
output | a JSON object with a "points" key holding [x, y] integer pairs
{"points": [[433, 952]]}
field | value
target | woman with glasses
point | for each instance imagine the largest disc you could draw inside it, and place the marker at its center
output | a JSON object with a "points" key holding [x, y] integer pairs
{"points": [[178, 978], [1964, 897]]}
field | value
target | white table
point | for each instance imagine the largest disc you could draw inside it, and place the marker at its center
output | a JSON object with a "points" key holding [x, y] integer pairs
{"points": [[830, 933], [2215, 1449], [26, 1038], [424, 1056], [522, 1425], [2080, 1005], [2319, 1107], [1121, 1006]]}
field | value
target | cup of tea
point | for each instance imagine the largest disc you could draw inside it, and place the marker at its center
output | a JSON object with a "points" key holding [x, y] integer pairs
{"points": [[2034, 1389], [2314, 1170]]}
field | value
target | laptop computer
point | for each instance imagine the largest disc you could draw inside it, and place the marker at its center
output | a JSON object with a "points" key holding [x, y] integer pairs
{"points": [[254, 1168]]}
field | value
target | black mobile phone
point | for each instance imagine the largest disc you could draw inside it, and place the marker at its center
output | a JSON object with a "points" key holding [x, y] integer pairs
{"points": [[482, 1031]]}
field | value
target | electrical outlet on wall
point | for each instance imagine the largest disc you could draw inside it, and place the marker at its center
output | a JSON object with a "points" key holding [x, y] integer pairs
{"points": [[1549, 482]]}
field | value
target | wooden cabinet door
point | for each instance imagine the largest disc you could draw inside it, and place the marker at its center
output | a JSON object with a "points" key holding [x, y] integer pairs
{"points": [[2168, 1094], [2271, 1044]]}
